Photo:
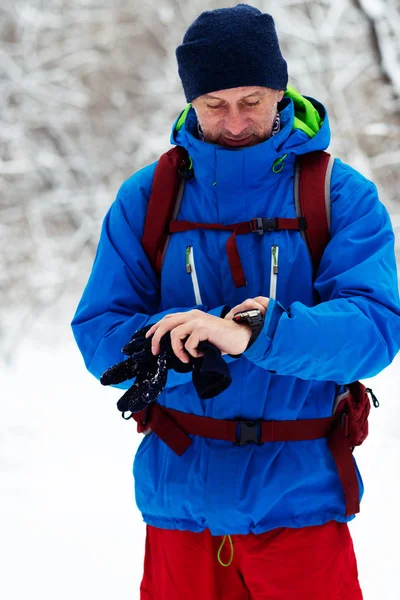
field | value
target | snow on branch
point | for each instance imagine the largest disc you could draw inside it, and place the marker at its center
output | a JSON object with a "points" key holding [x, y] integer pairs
{"points": [[385, 23]]}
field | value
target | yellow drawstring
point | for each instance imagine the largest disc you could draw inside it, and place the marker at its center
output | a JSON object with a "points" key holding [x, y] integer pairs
{"points": [[219, 551]]}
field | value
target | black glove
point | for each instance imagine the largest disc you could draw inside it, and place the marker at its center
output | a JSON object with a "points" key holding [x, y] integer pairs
{"points": [[150, 382], [210, 373], [139, 354]]}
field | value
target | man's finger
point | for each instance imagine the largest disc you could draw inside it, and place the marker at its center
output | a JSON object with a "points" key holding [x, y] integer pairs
{"points": [[164, 326], [152, 330], [155, 326], [192, 343], [160, 332], [246, 305], [179, 336], [180, 317], [262, 300]]}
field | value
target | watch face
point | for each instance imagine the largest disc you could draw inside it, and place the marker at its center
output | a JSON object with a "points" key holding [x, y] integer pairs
{"points": [[253, 313], [247, 314], [252, 317]]}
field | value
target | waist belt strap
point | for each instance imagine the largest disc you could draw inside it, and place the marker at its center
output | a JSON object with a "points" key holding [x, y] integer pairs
{"points": [[173, 427]]}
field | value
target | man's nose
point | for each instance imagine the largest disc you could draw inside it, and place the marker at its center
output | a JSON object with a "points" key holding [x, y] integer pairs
{"points": [[235, 123]]}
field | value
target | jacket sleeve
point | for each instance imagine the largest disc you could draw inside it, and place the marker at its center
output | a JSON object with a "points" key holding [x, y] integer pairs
{"points": [[122, 294], [354, 333]]}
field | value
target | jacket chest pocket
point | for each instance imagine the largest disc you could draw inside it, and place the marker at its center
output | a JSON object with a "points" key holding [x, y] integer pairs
{"points": [[263, 269], [190, 275], [177, 289], [203, 272]]}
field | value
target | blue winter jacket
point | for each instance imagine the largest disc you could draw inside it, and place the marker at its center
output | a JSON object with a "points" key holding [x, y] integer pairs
{"points": [[304, 355]]}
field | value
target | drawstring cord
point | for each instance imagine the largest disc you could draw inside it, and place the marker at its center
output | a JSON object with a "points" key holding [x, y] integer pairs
{"points": [[220, 549], [279, 164]]}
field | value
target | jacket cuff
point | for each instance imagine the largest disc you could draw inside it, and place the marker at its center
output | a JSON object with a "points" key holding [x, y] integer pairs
{"points": [[219, 311], [257, 351]]}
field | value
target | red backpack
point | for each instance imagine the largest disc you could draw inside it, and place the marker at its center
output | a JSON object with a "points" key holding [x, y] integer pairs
{"points": [[348, 426]]}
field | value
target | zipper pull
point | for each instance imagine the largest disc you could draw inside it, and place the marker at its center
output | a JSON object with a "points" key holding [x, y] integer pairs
{"points": [[275, 261], [188, 266], [375, 400]]}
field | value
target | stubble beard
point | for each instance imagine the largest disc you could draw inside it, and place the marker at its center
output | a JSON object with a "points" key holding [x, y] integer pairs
{"points": [[207, 136]]}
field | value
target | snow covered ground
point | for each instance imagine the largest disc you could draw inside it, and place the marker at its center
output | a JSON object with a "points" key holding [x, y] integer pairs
{"points": [[69, 526]]}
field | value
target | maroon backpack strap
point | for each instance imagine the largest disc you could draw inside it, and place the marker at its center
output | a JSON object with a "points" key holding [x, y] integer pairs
{"points": [[313, 200], [338, 444], [166, 195]]}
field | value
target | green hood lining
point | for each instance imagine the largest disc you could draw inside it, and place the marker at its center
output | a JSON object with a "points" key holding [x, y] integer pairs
{"points": [[306, 116]]}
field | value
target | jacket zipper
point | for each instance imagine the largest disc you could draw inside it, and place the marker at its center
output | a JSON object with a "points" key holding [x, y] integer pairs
{"points": [[274, 271], [191, 269]]}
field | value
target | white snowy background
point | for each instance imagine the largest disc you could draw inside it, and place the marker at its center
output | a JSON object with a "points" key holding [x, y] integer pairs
{"points": [[88, 92]]}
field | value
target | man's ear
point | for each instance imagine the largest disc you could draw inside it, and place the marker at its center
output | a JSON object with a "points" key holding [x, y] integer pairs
{"points": [[280, 95]]}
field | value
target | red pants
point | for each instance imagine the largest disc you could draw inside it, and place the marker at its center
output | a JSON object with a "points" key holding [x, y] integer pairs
{"points": [[311, 563]]}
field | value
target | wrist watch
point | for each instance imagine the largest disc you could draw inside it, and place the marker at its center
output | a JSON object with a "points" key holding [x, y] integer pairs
{"points": [[252, 317]]}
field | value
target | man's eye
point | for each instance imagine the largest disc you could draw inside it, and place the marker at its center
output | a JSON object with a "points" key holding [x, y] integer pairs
{"points": [[252, 103], [209, 106]]}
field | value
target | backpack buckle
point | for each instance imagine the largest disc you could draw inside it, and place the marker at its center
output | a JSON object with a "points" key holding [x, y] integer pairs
{"points": [[261, 224], [248, 432], [185, 171]]}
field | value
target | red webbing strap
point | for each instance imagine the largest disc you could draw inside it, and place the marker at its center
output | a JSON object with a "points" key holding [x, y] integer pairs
{"points": [[165, 427], [235, 262], [231, 246], [173, 427], [295, 431], [243, 227], [161, 205], [290, 224], [271, 431], [226, 429], [313, 168], [338, 444], [177, 226]]}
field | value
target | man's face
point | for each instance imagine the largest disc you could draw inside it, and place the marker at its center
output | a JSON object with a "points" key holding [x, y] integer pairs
{"points": [[237, 117]]}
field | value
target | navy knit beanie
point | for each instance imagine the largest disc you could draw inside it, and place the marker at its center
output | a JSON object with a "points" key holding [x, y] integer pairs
{"points": [[228, 48]]}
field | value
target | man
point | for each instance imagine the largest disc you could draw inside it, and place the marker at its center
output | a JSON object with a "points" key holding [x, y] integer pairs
{"points": [[256, 520]]}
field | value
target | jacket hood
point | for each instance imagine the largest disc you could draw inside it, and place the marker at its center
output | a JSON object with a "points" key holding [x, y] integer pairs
{"points": [[304, 128]]}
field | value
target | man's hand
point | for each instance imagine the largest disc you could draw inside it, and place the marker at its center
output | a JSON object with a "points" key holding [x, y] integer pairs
{"points": [[190, 328], [261, 302]]}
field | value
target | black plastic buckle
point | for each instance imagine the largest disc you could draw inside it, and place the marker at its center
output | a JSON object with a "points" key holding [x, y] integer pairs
{"points": [[248, 432], [261, 224], [185, 171], [302, 223]]}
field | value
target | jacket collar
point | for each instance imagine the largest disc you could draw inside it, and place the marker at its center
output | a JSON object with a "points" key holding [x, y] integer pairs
{"points": [[251, 164]]}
